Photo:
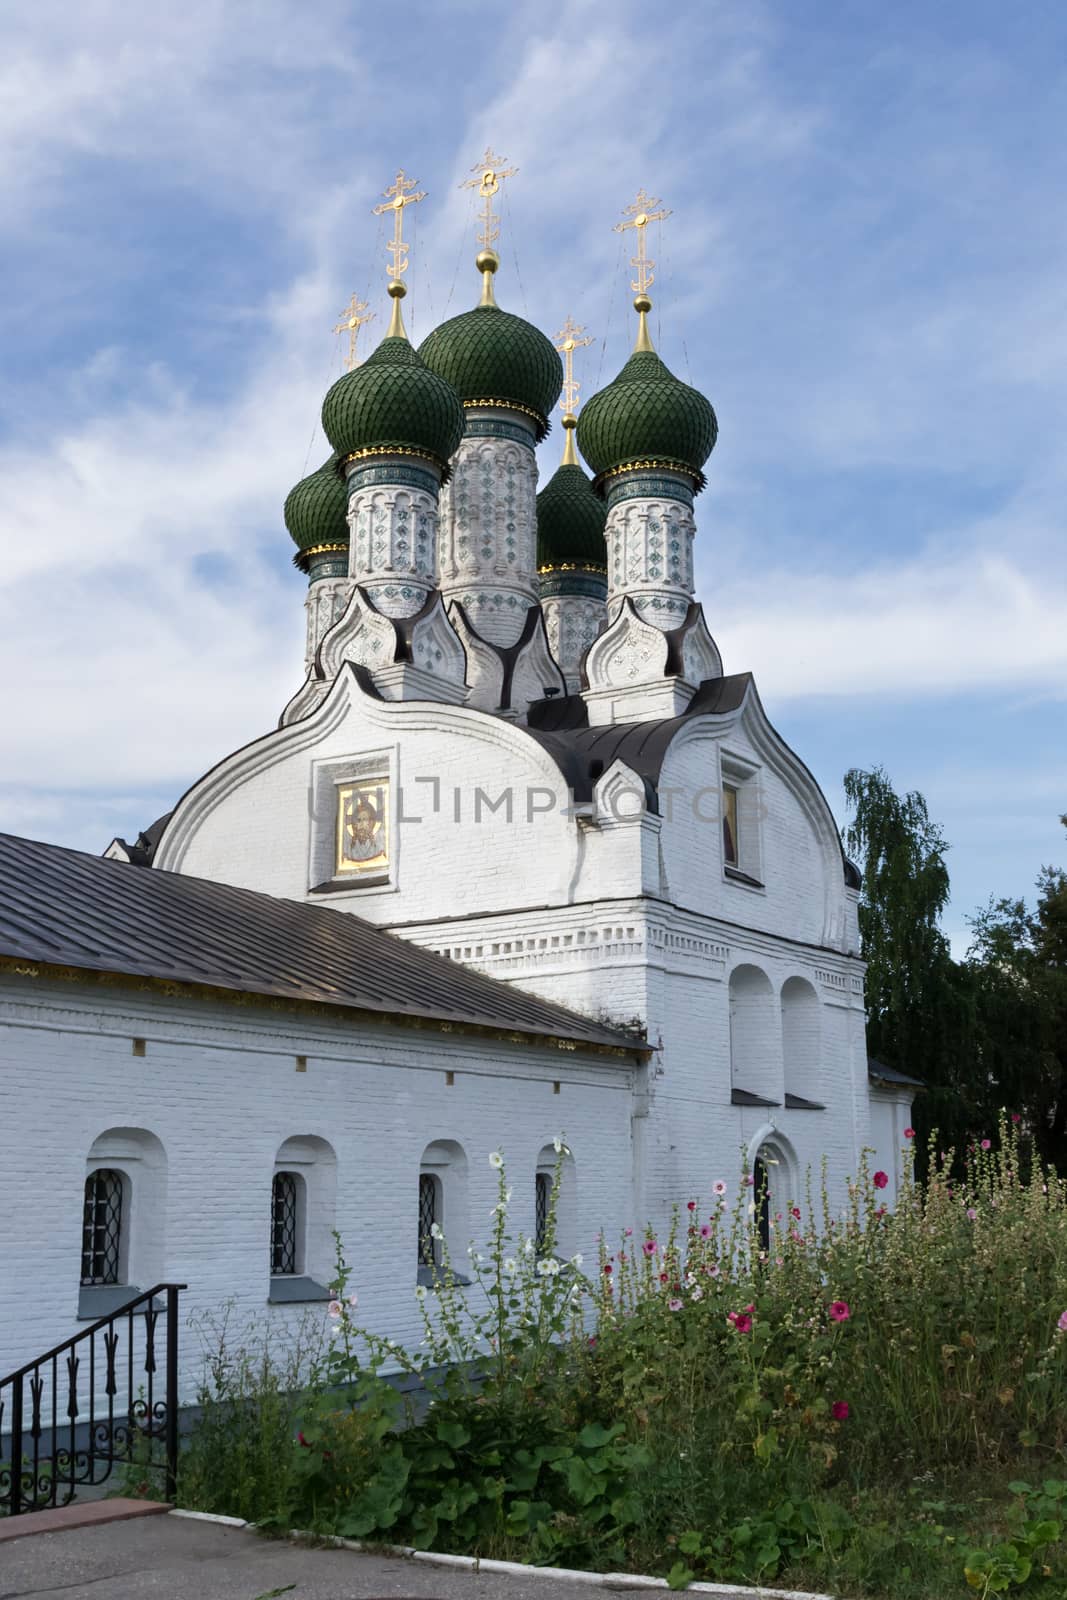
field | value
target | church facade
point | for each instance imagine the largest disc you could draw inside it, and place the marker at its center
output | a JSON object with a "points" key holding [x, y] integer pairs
{"points": [[516, 752]]}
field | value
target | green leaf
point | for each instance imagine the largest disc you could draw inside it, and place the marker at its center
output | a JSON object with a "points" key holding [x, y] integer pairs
{"points": [[689, 1543], [453, 1433], [594, 1435], [680, 1576]]}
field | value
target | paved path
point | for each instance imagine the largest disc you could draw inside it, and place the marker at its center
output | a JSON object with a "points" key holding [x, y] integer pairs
{"points": [[171, 1558]]}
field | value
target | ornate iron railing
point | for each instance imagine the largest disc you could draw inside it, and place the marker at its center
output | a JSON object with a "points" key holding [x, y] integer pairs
{"points": [[68, 1418]]}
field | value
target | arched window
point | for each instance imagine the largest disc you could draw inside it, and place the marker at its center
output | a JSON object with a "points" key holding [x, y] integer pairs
{"points": [[442, 1199], [286, 1232], [124, 1213], [302, 1208], [774, 1181], [755, 1039], [565, 1240], [102, 1227]]}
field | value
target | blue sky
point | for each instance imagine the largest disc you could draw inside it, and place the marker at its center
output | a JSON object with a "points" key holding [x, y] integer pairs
{"points": [[864, 270]]}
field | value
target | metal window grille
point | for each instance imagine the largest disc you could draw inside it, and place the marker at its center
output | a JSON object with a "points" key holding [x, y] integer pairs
{"points": [[102, 1227], [283, 1225], [427, 1218], [542, 1202]]}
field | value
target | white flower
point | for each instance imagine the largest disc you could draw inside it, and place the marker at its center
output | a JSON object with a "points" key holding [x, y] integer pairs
{"points": [[528, 1247], [559, 1147], [507, 1196], [697, 1294], [577, 1260], [718, 1187], [496, 1160], [353, 1299], [511, 1266], [335, 1329], [335, 1308], [435, 1231], [420, 1292], [548, 1267]]}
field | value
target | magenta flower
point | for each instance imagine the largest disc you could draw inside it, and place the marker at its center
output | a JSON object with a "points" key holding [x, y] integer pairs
{"points": [[649, 1247], [881, 1180], [749, 1181], [705, 1232], [1062, 1323], [1015, 1117], [839, 1311], [971, 1214], [741, 1320], [839, 1410], [607, 1268], [909, 1133], [690, 1205], [674, 1305], [987, 1144]]}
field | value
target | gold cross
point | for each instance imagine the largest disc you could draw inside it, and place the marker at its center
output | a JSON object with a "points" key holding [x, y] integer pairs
{"points": [[489, 173], [639, 215], [396, 198], [567, 342], [353, 317]]}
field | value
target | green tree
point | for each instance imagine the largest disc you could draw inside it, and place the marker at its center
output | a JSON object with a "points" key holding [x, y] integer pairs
{"points": [[920, 1003], [1018, 970]]}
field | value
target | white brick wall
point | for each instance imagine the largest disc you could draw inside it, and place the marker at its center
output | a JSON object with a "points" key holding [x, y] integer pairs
{"points": [[218, 1087]]}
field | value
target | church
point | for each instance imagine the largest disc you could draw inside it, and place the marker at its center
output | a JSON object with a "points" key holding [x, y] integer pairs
{"points": [[521, 859]]}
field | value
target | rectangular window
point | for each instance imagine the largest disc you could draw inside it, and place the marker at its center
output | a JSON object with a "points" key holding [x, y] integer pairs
{"points": [[362, 843], [730, 845], [542, 1204], [283, 1225], [101, 1227], [428, 1189]]}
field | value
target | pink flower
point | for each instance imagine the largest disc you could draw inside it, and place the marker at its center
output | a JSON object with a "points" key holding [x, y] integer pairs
{"points": [[1015, 1117], [881, 1180], [749, 1181], [705, 1232], [794, 1211], [628, 1234], [718, 1187], [839, 1410], [879, 1214], [335, 1308], [649, 1247], [674, 1305], [353, 1299], [1062, 1323], [741, 1320], [302, 1441], [839, 1311], [987, 1144], [909, 1133], [971, 1214]]}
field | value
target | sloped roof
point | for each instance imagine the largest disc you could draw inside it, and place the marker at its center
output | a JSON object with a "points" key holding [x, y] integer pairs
{"points": [[69, 909]]}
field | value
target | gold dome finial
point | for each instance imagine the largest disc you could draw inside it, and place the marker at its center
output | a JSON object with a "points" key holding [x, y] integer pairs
{"points": [[567, 341], [638, 216], [489, 174], [354, 315], [397, 196]]}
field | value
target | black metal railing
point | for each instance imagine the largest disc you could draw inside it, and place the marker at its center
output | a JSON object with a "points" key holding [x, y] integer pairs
{"points": [[68, 1418]]}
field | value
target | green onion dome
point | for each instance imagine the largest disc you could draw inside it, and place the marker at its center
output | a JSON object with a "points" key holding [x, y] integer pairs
{"points": [[570, 521], [316, 511], [393, 402], [493, 358], [647, 416]]}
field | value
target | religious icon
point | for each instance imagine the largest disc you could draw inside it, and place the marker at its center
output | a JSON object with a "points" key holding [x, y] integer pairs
{"points": [[362, 827]]}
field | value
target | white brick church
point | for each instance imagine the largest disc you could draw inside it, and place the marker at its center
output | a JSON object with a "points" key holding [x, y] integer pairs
{"points": [[520, 857]]}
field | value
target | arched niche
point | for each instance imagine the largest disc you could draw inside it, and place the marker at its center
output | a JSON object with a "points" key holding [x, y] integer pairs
{"points": [[755, 1035], [801, 1040]]}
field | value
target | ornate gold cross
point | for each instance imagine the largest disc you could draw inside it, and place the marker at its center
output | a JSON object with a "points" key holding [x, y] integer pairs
{"points": [[567, 342], [353, 317], [396, 198], [639, 215], [489, 174]]}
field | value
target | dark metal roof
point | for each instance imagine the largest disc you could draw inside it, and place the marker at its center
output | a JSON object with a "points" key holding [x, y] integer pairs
{"points": [[65, 908], [880, 1073], [584, 754]]}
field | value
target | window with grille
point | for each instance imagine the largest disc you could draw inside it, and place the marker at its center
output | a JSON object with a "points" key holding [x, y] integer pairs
{"points": [[542, 1204], [102, 1227], [283, 1224], [428, 1193]]}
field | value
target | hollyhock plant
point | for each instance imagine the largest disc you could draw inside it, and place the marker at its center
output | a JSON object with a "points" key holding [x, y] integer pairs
{"points": [[741, 1320], [881, 1180], [718, 1187], [649, 1247]]}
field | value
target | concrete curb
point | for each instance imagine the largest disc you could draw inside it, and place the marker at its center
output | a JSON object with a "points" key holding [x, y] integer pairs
{"points": [[518, 1569]]}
